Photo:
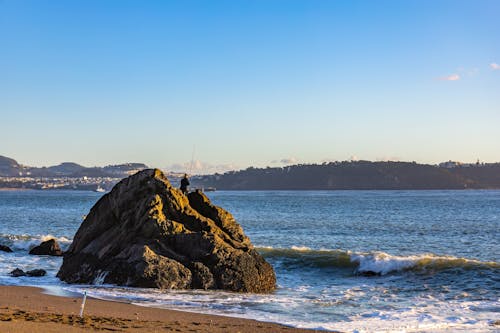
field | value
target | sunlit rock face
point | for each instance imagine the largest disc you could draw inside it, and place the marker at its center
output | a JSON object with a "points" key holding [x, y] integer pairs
{"points": [[146, 233]]}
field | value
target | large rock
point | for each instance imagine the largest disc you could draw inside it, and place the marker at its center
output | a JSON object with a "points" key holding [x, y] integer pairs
{"points": [[146, 233], [50, 248]]}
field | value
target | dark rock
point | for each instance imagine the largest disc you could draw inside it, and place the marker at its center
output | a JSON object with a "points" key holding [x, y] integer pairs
{"points": [[202, 277], [50, 247], [36, 272], [146, 233], [17, 272], [5, 248], [369, 273]]}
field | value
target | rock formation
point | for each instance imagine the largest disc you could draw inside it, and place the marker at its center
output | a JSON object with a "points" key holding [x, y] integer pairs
{"points": [[33, 273], [36, 272], [17, 273], [146, 233], [5, 248], [50, 247]]}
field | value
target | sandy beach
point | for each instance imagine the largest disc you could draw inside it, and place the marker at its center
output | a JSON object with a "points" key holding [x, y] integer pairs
{"points": [[28, 309]]}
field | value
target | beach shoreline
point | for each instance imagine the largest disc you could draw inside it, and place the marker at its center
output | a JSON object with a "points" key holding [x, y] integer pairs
{"points": [[11, 189], [30, 309]]}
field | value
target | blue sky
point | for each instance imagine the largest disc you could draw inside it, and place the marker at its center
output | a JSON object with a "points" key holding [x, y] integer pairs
{"points": [[249, 82]]}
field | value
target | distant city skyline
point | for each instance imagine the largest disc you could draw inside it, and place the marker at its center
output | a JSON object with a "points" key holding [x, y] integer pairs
{"points": [[232, 84]]}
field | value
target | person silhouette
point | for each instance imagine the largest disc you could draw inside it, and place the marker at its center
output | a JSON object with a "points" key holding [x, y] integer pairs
{"points": [[184, 184]]}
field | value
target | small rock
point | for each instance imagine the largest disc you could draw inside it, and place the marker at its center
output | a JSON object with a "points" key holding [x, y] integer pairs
{"points": [[5, 248], [36, 272], [17, 272], [369, 273], [50, 247]]}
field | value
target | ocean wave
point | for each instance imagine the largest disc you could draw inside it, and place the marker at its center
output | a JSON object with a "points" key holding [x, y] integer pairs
{"points": [[376, 263], [423, 314], [27, 242]]}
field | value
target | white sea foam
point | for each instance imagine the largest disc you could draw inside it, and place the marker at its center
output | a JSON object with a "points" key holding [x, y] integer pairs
{"points": [[59, 239], [11, 261], [99, 279], [424, 315], [383, 263], [27, 242], [371, 262], [19, 258], [301, 248]]}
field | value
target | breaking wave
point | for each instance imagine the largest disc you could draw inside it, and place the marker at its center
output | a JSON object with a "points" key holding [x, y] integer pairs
{"points": [[378, 263], [27, 242]]}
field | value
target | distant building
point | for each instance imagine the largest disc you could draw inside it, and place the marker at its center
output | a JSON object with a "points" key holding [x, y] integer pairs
{"points": [[455, 164], [450, 164]]}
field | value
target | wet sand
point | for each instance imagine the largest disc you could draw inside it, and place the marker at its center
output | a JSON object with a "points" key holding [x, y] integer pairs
{"points": [[28, 310]]}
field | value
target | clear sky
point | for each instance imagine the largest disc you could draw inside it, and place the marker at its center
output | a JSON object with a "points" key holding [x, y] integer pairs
{"points": [[252, 82]]}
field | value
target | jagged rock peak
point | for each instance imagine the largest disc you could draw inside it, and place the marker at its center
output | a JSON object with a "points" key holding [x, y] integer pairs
{"points": [[146, 233]]}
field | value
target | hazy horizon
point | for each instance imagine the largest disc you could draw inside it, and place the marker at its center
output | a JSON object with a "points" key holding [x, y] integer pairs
{"points": [[199, 167], [249, 83]]}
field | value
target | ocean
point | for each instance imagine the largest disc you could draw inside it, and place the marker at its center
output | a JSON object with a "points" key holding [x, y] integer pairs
{"points": [[353, 261]]}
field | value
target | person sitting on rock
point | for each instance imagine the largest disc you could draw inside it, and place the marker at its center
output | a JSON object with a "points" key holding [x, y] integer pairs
{"points": [[184, 184]]}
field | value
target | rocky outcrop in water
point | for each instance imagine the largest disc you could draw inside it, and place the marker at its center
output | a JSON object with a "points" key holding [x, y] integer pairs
{"points": [[145, 233], [36, 272], [17, 273], [5, 248], [33, 273], [50, 248]]}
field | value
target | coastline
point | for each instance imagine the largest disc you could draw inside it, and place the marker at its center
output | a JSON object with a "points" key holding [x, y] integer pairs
{"points": [[29, 309], [14, 189]]}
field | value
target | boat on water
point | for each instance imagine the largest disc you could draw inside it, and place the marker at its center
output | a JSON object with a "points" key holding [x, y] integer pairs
{"points": [[209, 189], [99, 189]]}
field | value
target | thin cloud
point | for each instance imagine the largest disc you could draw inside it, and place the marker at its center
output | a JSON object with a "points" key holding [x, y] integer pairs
{"points": [[495, 66], [452, 77], [286, 161], [200, 167]]}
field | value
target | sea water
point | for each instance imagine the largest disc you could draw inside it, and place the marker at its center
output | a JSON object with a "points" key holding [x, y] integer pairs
{"points": [[353, 261]]}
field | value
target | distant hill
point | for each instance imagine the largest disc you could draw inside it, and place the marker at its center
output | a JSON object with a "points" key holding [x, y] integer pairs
{"points": [[360, 175], [11, 168], [66, 168]]}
